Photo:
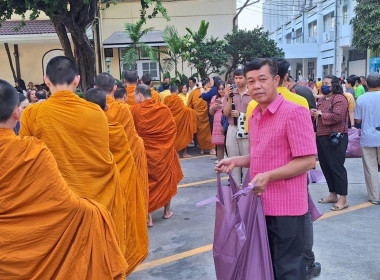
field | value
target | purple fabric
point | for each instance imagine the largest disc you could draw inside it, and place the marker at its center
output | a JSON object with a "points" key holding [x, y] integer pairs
{"points": [[354, 149], [241, 249], [314, 212], [316, 176]]}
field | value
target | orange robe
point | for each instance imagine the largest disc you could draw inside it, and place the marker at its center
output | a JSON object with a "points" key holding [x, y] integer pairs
{"points": [[203, 124], [155, 124], [131, 95], [185, 120], [76, 132], [118, 111], [155, 95], [137, 241], [47, 232]]}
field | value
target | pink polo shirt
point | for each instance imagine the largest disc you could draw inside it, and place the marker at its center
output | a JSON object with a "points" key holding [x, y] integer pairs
{"points": [[281, 134]]}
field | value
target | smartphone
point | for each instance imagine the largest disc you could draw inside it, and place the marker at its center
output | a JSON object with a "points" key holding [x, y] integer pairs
{"points": [[234, 86]]}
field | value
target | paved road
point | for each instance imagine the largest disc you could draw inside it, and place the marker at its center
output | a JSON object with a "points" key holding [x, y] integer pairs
{"points": [[346, 244]]}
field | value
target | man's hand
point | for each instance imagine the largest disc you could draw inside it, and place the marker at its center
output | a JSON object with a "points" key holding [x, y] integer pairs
{"points": [[235, 113], [225, 165], [261, 180]]}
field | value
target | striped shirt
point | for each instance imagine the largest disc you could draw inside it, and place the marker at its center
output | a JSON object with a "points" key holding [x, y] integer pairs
{"points": [[281, 134]]}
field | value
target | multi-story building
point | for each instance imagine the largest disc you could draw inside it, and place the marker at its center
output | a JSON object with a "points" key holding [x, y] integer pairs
{"points": [[316, 36], [32, 46]]}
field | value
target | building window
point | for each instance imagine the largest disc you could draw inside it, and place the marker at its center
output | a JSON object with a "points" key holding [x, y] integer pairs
{"points": [[328, 22], [313, 29], [310, 70], [344, 14]]}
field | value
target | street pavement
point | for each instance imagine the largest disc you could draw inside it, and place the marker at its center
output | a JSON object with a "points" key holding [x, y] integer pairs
{"points": [[346, 243]]}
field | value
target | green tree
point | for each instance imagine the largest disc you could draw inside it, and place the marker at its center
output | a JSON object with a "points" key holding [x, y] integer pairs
{"points": [[176, 49], [206, 54], [245, 45], [366, 25], [131, 53], [74, 16]]}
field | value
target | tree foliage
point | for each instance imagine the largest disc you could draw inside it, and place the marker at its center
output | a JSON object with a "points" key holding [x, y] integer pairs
{"points": [[245, 45], [74, 16], [366, 25], [206, 54]]}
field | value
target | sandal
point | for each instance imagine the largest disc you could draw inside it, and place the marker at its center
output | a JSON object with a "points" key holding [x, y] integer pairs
{"points": [[337, 208], [322, 200]]}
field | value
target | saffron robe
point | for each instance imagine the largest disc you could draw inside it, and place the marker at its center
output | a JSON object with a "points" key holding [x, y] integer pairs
{"points": [[155, 95], [131, 95], [203, 124], [76, 132], [118, 111], [47, 232], [137, 241], [185, 119], [155, 124]]}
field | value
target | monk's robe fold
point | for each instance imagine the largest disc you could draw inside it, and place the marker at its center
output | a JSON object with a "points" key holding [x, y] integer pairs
{"points": [[203, 124], [119, 111], [131, 95], [155, 124], [155, 95], [76, 132], [185, 119], [137, 241], [47, 232]]}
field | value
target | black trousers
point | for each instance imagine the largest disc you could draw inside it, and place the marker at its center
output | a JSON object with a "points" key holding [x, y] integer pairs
{"points": [[286, 235], [331, 159]]}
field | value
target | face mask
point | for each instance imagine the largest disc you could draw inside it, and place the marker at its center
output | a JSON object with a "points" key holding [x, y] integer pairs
{"points": [[325, 89]]}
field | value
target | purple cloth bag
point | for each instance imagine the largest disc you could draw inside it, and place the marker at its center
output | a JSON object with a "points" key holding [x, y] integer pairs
{"points": [[241, 250], [354, 149]]}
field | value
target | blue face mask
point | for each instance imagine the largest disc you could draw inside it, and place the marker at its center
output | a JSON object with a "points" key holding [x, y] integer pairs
{"points": [[325, 90]]}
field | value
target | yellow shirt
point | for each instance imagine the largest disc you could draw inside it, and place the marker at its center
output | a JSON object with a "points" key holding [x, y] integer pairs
{"points": [[164, 94], [184, 97], [350, 99], [288, 95]]}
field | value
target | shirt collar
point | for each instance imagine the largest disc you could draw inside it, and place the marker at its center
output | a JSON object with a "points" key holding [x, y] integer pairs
{"points": [[272, 108]]}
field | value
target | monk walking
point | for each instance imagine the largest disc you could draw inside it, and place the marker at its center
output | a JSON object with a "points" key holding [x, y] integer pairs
{"points": [[47, 232], [203, 125], [131, 80], [185, 119], [155, 124], [76, 132]]}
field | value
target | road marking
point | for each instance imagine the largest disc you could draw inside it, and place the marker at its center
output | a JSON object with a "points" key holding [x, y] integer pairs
{"points": [[175, 257], [208, 247], [200, 182], [195, 157]]}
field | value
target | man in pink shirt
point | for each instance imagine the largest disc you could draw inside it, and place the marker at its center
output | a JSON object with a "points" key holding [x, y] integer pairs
{"points": [[282, 150]]}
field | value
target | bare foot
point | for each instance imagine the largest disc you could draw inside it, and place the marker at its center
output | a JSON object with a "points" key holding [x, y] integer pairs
{"points": [[150, 220], [185, 155], [202, 152], [168, 215], [212, 152]]}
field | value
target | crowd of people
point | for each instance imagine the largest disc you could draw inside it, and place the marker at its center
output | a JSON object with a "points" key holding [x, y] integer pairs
{"points": [[89, 172]]}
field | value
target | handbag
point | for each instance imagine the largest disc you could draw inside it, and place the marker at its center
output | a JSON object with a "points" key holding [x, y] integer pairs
{"points": [[354, 149], [240, 132]]}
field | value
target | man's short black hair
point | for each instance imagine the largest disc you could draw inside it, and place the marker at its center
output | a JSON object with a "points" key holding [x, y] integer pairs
{"points": [[319, 79], [41, 94], [146, 79], [193, 79], [282, 68], [97, 96], [165, 86], [144, 90], [61, 70], [119, 93], [351, 81], [173, 89], [9, 99], [239, 71], [105, 82], [257, 63], [131, 77]]}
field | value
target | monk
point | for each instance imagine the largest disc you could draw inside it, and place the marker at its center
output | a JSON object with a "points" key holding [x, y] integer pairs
{"points": [[47, 232], [136, 200], [185, 119], [76, 132], [155, 124], [203, 125], [131, 79], [147, 80]]}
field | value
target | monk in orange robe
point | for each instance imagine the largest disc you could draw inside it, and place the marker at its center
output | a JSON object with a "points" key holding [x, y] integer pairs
{"points": [[203, 125], [131, 80], [137, 241], [185, 119], [147, 80], [47, 232], [155, 124], [76, 132]]}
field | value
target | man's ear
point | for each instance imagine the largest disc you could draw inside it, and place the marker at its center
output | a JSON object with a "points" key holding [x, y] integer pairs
{"points": [[47, 81], [106, 108], [17, 113], [277, 80], [76, 81], [125, 98], [113, 89]]}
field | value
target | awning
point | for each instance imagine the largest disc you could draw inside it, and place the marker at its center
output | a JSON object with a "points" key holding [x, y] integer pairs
{"points": [[120, 39]]}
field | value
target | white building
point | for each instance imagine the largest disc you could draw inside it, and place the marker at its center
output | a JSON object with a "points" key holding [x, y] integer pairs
{"points": [[316, 36]]}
